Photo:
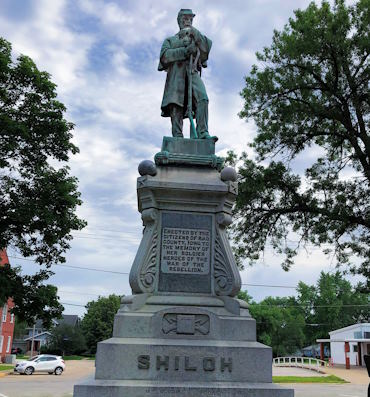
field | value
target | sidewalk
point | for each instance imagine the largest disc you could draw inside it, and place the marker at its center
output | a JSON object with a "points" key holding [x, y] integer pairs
{"points": [[355, 375], [6, 372]]}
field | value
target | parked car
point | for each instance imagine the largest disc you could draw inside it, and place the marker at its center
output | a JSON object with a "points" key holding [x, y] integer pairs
{"points": [[43, 363]]}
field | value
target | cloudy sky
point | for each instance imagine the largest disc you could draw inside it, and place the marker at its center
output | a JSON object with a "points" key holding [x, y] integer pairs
{"points": [[103, 55]]}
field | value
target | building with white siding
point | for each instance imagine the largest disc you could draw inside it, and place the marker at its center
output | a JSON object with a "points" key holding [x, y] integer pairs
{"points": [[348, 345]]}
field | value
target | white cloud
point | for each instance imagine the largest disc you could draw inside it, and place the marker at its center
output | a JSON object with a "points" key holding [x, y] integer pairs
{"points": [[49, 42]]}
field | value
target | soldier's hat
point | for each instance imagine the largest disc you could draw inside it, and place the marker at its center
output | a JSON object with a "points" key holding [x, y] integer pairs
{"points": [[185, 11]]}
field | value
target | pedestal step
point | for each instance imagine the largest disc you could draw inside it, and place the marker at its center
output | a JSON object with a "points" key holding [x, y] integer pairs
{"points": [[139, 388], [165, 323]]}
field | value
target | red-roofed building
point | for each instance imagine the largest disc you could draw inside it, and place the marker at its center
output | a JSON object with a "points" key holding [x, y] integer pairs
{"points": [[6, 319]]}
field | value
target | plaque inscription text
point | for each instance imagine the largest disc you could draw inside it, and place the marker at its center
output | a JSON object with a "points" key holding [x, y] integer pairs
{"points": [[185, 251]]}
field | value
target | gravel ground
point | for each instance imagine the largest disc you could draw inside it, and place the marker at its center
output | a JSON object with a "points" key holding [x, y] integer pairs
{"points": [[45, 385], [328, 390]]}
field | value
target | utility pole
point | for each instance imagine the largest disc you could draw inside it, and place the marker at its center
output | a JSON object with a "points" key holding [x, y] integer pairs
{"points": [[33, 339]]}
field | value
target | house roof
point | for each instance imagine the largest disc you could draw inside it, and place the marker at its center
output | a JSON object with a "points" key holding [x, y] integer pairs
{"points": [[363, 340], [311, 347], [38, 336], [39, 325], [354, 326], [69, 319]]}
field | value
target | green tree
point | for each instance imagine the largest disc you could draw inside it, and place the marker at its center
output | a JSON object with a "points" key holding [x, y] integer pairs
{"points": [[20, 329], [331, 304], [97, 324], [38, 197], [66, 339], [279, 323], [310, 90]]}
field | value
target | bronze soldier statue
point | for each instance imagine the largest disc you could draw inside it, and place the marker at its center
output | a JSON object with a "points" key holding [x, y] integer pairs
{"points": [[183, 56]]}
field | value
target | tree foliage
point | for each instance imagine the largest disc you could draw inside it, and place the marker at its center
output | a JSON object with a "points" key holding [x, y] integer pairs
{"points": [[32, 297], [287, 324], [97, 323], [280, 323], [38, 197], [331, 304], [310, 91], [66, 340]]}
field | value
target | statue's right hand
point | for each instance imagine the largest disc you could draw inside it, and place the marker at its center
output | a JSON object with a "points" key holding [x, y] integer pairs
{"points": [[191, 49]]}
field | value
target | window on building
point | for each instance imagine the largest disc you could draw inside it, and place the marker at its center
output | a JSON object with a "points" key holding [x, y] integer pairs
{"points": [[5, 312], [357, 335], [367, 335], [8, 344], [355, 348], [1, 342], [12, 318]]}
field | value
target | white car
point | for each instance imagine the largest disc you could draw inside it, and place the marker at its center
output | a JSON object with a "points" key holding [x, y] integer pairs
{"points": [[43, 363]]}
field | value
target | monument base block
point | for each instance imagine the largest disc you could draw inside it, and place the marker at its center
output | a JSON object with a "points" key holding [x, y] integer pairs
{"points": [[182, 345]]}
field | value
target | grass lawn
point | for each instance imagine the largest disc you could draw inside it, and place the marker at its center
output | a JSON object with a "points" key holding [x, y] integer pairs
{"points": [[6, 367], [22, 357], [308, 379]]}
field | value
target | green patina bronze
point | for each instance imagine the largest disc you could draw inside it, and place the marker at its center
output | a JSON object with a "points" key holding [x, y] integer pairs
{"points": [[189, 152], [183, 56]]}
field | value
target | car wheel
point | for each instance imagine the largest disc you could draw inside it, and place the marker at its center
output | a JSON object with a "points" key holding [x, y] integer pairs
{"points": [[29, 371], [58, 371], [50, 373]]}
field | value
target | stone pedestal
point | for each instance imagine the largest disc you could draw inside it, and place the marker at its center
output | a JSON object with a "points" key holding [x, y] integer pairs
{"points": [[183, 333]]}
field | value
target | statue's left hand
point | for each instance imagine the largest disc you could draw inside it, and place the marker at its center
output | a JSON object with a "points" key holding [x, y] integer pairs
{"points": [[195, 33]]}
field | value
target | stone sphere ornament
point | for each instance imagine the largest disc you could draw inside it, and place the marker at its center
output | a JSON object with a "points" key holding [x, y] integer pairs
{"points": [[147, 167], [228, 174]]}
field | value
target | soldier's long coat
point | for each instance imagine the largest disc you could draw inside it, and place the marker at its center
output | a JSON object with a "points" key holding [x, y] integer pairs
{"points": [[173, 60]]}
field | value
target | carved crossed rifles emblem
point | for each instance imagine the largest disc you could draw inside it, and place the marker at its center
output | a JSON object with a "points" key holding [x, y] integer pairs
{"points": [[185, 324]]}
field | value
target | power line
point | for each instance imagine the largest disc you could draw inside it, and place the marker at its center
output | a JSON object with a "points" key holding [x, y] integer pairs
{"points": [[258, 304], [91, 269], [73, 267], [269, 247], [308, 305], [72, 304], [76, 293], [96, 234], [127, 273], [98, 238], [111, 238], [270, 286], [84, 235], [106, 230]]}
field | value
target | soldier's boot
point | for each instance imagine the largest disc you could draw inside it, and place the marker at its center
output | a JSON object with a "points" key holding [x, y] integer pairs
{"points": [[201, 116]]}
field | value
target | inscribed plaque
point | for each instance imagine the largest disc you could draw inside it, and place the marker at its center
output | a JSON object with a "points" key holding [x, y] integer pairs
{"points": [[185, 251]]}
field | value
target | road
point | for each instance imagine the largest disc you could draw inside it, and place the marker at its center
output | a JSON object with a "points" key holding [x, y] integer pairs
{"points": [[45, 385], [328, 390]]}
